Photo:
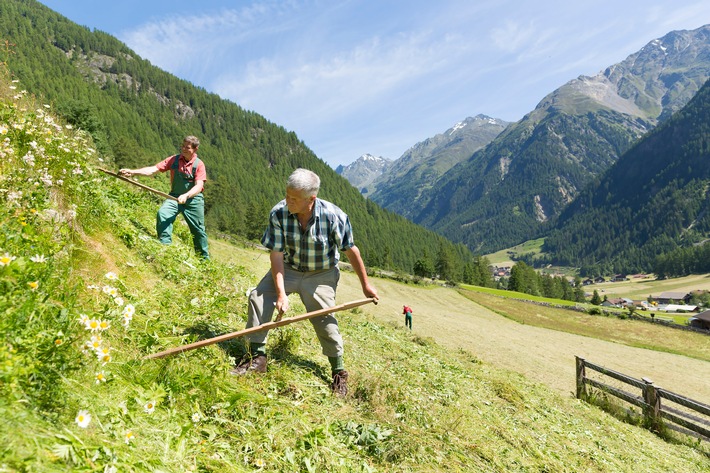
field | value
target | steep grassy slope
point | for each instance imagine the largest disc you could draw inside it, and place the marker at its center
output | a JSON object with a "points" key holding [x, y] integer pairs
{"points": [[87, 292]]}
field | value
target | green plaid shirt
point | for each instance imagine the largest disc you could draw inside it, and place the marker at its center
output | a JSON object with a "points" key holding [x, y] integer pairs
{"points": [[317, 247]]}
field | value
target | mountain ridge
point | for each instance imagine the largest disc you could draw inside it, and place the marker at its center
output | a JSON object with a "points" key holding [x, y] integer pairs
{"points": [[513, 188], [364, 170], [666, 210], [414, 173]]}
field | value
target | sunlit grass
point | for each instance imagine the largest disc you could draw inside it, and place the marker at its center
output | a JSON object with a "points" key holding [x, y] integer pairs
{"points": [[505, 256], [550, 316], [87, 293]]}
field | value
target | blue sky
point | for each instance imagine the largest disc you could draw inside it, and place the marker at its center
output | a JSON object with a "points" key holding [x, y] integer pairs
{"points": [[356, 76]]}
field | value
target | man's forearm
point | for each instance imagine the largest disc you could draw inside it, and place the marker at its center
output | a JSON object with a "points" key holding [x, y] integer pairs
{"points": [[277, 271], [146, 171], [358, 266]]}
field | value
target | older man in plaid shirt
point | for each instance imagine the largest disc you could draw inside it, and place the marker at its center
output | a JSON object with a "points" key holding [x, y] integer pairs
{"points": [[305, 236]]}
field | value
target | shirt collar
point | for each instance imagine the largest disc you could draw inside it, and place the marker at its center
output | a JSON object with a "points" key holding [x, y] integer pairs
{"points": [[316, 210], [188, 161]]}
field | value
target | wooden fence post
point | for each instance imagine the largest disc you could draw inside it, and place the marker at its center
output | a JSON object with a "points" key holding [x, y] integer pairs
{"points": [[581, 390], [652, 411]]}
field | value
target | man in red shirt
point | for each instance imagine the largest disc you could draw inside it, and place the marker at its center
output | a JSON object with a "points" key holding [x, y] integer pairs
{"points": [[187, 180], [407, 311]]}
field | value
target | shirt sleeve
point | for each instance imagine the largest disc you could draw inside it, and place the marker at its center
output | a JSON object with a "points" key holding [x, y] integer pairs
{"points": [[165, 164], [343, 232], [273, 238], [201, 173]]}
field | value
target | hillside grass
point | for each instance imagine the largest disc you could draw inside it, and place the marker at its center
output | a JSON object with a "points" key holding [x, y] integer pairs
{"points": [[77, 250], [505, 257], [619, 330]]}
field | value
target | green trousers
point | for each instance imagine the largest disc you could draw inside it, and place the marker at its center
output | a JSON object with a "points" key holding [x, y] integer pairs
{"points": [[194, 212]]}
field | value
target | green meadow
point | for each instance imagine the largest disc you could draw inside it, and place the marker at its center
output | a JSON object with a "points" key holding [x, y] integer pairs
{"points": [[88, 293]]}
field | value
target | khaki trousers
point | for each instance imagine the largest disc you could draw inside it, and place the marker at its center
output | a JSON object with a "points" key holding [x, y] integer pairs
{"points": [[317, 291]]}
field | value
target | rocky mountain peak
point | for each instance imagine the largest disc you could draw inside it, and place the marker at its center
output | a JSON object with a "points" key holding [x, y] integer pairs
{"points": [[364, 170]]}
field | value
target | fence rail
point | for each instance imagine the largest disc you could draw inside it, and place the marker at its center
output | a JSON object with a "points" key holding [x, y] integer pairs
{"points": [[649, 401]]}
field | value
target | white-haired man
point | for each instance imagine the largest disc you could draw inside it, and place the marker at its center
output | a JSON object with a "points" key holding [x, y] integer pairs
{"points": [[305, 236]]}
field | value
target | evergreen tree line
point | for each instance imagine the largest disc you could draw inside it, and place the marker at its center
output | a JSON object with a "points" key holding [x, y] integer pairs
{"points": [[476, 272], [524, 278], [138, 114], [683, 261]]}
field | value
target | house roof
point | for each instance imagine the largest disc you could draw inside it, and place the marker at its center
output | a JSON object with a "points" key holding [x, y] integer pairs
{"points": [[703, 316], [677, 307]]}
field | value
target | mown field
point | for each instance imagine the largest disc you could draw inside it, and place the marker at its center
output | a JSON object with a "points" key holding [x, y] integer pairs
{"points": [[536, 341]]}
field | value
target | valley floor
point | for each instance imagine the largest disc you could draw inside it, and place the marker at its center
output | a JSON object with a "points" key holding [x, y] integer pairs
{"points": [[542, 355]]}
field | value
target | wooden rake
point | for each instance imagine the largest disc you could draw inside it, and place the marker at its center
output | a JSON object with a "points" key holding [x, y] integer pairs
{"points": [[266, 326], [150, 189]]}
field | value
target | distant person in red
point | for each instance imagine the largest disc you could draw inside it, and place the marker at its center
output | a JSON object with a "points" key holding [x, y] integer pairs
{"points": [[407, 311]]}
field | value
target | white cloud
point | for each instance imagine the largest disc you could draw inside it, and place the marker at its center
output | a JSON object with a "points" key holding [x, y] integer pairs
{"points": [[322, 87], [381, 72], [513, 36]]}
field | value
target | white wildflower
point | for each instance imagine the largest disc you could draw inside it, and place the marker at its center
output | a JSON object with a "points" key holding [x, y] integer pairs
{"points": [[129, 310], [149, 407], [38, 259], [82, 419], [6, 259]]}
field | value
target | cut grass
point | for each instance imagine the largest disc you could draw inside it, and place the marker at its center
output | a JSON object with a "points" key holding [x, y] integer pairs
{"points": [[632, 333]]}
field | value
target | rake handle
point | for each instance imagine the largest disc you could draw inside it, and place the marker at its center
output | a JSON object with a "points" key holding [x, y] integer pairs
{"points": [[259, 328], [150, 189]]}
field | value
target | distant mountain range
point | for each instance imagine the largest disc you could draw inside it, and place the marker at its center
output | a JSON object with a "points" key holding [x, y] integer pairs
{"points": [[518, 183], [654, 201], [412, 176], [364, 170], [397, 183]]}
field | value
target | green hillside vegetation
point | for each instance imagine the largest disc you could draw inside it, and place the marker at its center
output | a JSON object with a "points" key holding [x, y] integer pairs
{"points": [[505, 257], [138, 114], [649, 212], [87, 292]]}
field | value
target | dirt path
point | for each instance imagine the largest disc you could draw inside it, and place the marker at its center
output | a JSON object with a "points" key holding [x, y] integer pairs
{"points": [[541, 355]]}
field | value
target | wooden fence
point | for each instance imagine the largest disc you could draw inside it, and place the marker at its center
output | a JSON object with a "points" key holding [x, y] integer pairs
{"points": [[695, 419]]}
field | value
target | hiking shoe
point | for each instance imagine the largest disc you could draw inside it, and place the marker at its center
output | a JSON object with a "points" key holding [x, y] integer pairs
{"points": [[250, 363], [340, 383]]}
